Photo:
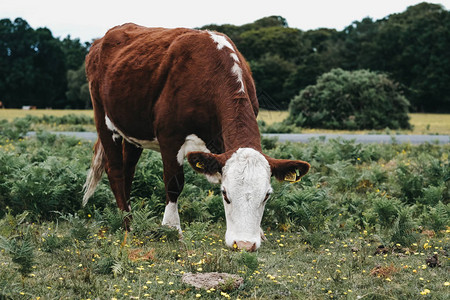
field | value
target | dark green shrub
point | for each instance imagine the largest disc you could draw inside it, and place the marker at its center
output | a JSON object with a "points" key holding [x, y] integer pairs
{"points": [[403, 230], [53, 242], [80, 230], [21, 251], [40, 187], [71, 119], [387, 210], [46, 174], [112, 218], [143, 219], [268, 143], [411, 183], [307, 208], [350, 100], [437, 217], [432, 195], [14, 130], [104, 265]]}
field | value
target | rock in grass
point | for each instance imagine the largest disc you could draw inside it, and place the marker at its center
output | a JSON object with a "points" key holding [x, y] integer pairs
{"points": [[219, 281]]}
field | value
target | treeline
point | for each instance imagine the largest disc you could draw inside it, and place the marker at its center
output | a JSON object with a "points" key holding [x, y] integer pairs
{"points": [[412, 48], [37, 68]]}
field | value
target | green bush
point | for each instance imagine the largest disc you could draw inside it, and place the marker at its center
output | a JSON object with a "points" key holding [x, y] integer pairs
{"points": [[14, 130], [71, 119], [350, 100]]}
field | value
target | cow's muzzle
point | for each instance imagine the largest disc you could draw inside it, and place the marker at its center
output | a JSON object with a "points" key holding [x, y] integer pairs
{"points": [[245, 245]]}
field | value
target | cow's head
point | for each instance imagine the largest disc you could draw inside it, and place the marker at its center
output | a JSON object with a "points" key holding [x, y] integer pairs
{"points": [[245, 185]]}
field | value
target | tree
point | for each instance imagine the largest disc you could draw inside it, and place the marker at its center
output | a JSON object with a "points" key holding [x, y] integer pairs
{"points": [[50, 69], [321, 55], [287, 43], [234, 31], [16, 59], [358, 49], [77, 89], [270, 72], [75, 52], [32, 68], [414, 47], [273, 51]]}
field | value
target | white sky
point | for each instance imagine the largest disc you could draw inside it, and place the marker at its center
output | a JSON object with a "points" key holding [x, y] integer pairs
{"points": [[91, 19]]}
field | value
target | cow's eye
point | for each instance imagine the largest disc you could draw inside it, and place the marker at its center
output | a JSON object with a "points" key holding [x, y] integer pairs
{"points": [[267, 196], [224, 194]]}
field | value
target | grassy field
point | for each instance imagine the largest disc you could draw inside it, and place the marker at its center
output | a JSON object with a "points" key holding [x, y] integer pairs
{"points": [[11, 114], [422, 123], [91, 262], [360, 225]]}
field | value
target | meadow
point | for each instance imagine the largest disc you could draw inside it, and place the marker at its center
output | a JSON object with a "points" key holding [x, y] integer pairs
{"points": [[422, 123], [365, 223]]}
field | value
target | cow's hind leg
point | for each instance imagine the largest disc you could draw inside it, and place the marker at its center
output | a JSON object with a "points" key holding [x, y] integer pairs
{"points": [[114, 167], [131, 155]]}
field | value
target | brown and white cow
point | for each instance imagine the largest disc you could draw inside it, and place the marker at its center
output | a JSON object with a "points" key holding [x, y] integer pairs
{"points": [[191, 92]]}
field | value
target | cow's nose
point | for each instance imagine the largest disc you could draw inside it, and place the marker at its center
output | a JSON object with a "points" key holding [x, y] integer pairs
{"points": [[247, 246]]}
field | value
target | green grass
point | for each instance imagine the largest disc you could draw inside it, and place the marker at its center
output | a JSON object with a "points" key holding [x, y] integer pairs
{"points": [[422, 123], [322, 233], [108, 265], [11, 113]]}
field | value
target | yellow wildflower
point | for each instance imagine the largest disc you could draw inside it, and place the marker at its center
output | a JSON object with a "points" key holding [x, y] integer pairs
{"points": [[425, 292]]}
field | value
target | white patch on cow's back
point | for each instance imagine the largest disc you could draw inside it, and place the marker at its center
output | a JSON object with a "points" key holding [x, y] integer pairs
{"points": [[171, 216], [246, 180], [194, 143], [236, 69], [117, 133], [221, 41], [234, 57]]}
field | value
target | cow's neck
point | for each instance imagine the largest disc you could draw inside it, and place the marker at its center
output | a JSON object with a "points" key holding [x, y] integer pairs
{"points": [[239, 126]]}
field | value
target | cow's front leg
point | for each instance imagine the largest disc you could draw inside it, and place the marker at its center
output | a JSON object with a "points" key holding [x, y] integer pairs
{"points": [[174, 182], [171, 217]]}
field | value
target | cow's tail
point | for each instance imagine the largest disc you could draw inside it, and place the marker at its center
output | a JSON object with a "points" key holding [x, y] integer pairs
{"points": [[95, 172]]}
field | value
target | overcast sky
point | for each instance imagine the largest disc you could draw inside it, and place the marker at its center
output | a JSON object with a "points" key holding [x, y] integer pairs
{"points": [[91, 19]]}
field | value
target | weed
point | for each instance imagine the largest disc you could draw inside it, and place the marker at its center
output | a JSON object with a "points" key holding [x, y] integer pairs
{"points": [[437, 217], [21, 251], [53, 242], [249, 261]]}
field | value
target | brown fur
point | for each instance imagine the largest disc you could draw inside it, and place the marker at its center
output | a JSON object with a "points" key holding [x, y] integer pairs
{"points": [[167, 84]]}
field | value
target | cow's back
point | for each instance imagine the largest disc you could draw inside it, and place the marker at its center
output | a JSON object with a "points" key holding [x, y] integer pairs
{"points": [[128, 55], [166, 79], [126, 71]]}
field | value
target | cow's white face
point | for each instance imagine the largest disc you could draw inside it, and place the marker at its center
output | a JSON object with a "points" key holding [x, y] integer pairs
{"points": [[245, 176], [245, 190]]}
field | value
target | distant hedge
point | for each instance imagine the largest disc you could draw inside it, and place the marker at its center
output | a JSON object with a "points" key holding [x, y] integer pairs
{"points": [[350, 100]]}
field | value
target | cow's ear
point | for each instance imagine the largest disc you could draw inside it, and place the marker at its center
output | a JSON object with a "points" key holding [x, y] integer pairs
{"points": [[206, 163], [288, 170]]}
